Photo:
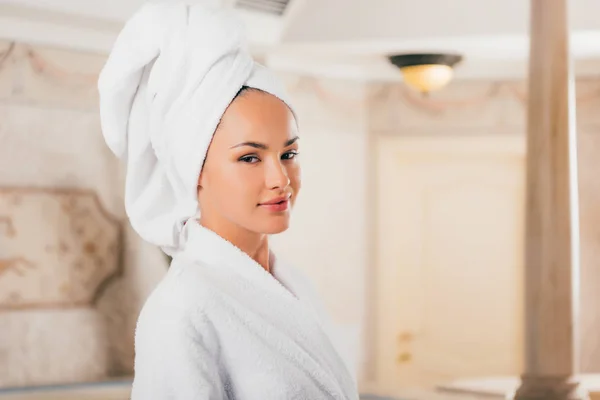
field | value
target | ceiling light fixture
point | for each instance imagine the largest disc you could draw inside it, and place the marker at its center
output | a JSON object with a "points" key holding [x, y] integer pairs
{"points": [[426, 72]]}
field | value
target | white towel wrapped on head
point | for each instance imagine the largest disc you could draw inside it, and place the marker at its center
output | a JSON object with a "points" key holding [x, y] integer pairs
{"points": [[172, 73]]}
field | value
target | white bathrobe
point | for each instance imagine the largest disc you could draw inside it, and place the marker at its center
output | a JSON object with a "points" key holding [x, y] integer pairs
{"points": [[219, 326]]}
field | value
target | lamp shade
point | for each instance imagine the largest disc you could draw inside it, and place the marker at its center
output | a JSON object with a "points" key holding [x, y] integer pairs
{"points": [[426, 72]]}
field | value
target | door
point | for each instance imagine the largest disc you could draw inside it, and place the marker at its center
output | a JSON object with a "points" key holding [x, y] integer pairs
{"points": [[450, 258]]}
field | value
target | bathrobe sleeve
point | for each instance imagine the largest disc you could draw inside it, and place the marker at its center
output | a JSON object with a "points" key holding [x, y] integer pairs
{"points": [[176, 360]]}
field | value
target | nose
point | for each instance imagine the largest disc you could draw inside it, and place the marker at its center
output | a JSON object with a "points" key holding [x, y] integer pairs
{"points": [[276, 175]]}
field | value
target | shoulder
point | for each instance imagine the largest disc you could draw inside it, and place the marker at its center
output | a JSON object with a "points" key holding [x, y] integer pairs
{"points": [[177, 350], [179, 304]]}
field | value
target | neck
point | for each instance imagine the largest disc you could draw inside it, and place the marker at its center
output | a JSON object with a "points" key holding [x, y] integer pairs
{"points": [[256, 245]]}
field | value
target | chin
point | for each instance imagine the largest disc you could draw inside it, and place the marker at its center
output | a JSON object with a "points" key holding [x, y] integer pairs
{"points": [[274, 227]]}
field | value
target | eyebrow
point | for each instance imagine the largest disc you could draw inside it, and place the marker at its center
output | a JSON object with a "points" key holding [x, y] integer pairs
{"points": [[262, 145]]}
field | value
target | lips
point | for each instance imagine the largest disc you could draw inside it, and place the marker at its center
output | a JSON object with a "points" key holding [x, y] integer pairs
{"points": [[278, 200], [277, 205]]}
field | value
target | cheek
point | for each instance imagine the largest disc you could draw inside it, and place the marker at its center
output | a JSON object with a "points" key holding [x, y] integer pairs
{"points": [[238, 185], [295, 175]]}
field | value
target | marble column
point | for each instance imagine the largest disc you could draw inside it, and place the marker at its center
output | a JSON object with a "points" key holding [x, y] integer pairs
{"points": [[552, 228]]}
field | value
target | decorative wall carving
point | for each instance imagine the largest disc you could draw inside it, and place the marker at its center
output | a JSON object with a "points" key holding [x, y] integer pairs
{"points": [[59, 248], [471, 107], [49, 77]]}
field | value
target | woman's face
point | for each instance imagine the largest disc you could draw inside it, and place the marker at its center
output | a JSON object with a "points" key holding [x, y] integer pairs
{"points": [[251, 175]]}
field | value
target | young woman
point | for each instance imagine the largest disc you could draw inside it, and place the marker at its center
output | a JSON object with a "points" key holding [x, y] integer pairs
{"points": [[211, 146]]}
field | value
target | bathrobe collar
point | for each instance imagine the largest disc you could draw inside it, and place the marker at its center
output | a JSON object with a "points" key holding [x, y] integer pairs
{"points": [[286, 287], [207, 246]]}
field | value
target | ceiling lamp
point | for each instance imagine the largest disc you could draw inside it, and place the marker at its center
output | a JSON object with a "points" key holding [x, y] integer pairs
{"points": [[426, 72]]}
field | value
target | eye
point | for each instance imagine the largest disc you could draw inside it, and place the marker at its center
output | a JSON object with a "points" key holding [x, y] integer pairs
{"points": [[290, 155], [249, 159]]}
